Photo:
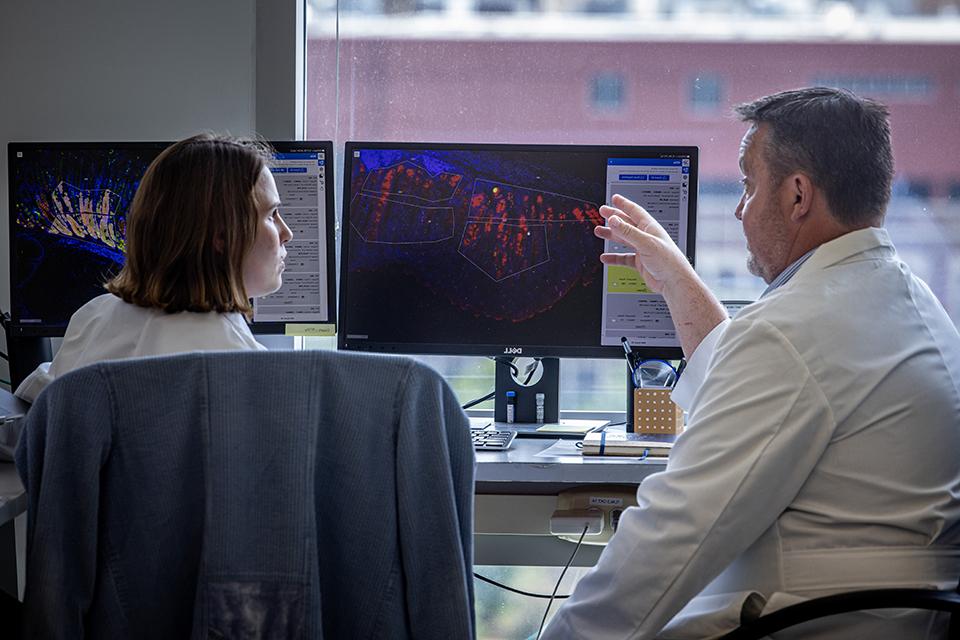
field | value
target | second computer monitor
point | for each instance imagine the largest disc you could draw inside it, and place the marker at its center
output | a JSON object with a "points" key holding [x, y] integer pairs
{"points": [[68, 210], [489, 249]]}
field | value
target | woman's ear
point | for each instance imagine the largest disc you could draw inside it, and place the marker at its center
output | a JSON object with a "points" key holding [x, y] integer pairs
{"points": [[219, 241]]}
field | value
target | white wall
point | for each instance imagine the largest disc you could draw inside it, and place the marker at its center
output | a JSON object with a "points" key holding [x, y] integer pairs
{"points": [[143, 70], [121, 70]]}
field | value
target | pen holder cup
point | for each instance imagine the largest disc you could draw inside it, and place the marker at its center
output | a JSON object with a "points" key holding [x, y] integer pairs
{"points": [[655, 412]]}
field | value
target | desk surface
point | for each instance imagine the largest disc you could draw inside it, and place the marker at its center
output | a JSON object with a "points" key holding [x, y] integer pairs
{"points": [[528, 462], [517, 493], [523, 468], [13, 499]]}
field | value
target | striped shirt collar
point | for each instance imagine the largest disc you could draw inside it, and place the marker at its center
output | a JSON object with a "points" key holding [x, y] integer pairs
{"points": [[787, 273]]}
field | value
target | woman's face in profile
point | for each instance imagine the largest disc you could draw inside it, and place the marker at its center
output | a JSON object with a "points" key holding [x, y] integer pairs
{"points": [[263, 265]]}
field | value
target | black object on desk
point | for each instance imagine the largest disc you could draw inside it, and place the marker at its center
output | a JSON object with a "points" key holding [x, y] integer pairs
{"points": [[525, 409], [26, 353], [492, 439]]}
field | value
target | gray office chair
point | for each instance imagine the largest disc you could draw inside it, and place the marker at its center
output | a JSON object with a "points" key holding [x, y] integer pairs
{"points": [[947, 600], [249, 495]]}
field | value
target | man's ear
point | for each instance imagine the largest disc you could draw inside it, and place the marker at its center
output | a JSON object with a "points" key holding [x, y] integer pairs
{"points": [[798, 196]]}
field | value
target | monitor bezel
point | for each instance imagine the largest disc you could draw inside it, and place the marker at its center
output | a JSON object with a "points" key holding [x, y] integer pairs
{"points": [[526, 350], [16, 328]]}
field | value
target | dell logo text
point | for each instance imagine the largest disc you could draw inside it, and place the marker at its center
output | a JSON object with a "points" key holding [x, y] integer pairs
{"points": [[512, 351]]}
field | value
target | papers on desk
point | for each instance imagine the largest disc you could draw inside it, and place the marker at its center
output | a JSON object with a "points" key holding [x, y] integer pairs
{"points": [[571, 426], [561, 448]]}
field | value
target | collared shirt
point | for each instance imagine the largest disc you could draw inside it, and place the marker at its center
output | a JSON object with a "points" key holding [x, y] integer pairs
{"points": [[787, 273]]}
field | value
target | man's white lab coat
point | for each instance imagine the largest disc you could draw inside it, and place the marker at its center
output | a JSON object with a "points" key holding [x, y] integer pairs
{"points": [[822, 454]]}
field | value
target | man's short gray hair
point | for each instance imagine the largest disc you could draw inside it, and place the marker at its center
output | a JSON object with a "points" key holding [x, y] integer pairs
{"points": [[841, 141]]}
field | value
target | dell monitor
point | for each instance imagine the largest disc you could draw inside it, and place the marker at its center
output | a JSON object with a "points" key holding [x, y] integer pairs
{"points": [[68, 210], [483, 249]]}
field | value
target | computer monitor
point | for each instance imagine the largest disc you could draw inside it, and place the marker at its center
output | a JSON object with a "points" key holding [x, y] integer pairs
{"points": [[68, 209], [482, 249], [490, 250]]}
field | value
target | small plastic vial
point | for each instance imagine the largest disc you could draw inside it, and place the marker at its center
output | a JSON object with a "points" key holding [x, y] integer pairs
{"points": [[540, 400], [511, 406]]}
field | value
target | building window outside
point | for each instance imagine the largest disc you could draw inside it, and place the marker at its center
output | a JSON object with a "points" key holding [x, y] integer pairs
{"points": [[706, 94], [607, 92], [884, 87]]}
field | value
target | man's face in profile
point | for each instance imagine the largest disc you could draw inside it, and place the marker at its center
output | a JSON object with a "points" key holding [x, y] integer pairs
{"points": [[760, 211]]}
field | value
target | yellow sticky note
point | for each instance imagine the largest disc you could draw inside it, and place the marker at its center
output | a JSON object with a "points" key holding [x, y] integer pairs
{"points": [[310, 330], [625, 280]]}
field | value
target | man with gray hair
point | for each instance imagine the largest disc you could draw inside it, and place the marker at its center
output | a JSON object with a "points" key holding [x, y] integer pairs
{"points": [[820, 453]]}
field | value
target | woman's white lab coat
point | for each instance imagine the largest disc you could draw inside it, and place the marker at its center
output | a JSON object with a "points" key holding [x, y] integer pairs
{"points": [[107, 328]]}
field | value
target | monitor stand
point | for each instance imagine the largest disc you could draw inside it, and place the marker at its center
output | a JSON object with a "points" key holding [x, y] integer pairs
{"points": [[525, 420], [26, 353]]}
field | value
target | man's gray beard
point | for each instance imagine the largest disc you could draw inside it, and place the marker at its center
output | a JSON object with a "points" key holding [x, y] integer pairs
{"points": [[754, 268]]}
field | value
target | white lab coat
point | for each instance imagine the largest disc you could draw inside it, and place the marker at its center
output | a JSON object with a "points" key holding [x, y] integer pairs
{"points": [[107, 328], [822, 454]]}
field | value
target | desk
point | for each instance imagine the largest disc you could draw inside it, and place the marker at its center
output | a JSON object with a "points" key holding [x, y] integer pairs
{"points": [[516, 493], [13, 499], [13, 529]]}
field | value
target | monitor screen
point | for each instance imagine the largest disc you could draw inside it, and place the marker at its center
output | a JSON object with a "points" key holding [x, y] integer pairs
{"points": [[489, 249], [68, 211]]}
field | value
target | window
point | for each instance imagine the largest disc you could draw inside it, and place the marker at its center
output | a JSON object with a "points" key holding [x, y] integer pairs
{"points": [[504, 6], [532, 71], [605, 6], [886, 88], [502, 614], [706, 94], [457, 72], [607, 92]]}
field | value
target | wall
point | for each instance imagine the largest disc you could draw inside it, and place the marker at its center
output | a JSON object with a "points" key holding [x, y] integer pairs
{"points": [[141, 70]]}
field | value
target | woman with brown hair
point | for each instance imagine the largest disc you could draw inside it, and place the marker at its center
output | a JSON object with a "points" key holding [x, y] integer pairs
{"points": [[204, 235]]}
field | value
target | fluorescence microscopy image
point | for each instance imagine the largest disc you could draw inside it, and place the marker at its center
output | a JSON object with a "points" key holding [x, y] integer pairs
{"points": [[499, 239], [68, 220], [507, 228]]}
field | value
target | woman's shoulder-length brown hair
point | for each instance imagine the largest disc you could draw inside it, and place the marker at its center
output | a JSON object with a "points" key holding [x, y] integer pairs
{"points": [[192, 221]]}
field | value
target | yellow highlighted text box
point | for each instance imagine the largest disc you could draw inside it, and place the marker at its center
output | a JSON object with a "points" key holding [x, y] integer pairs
{"points": [[310, 330], [625, 280]]}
